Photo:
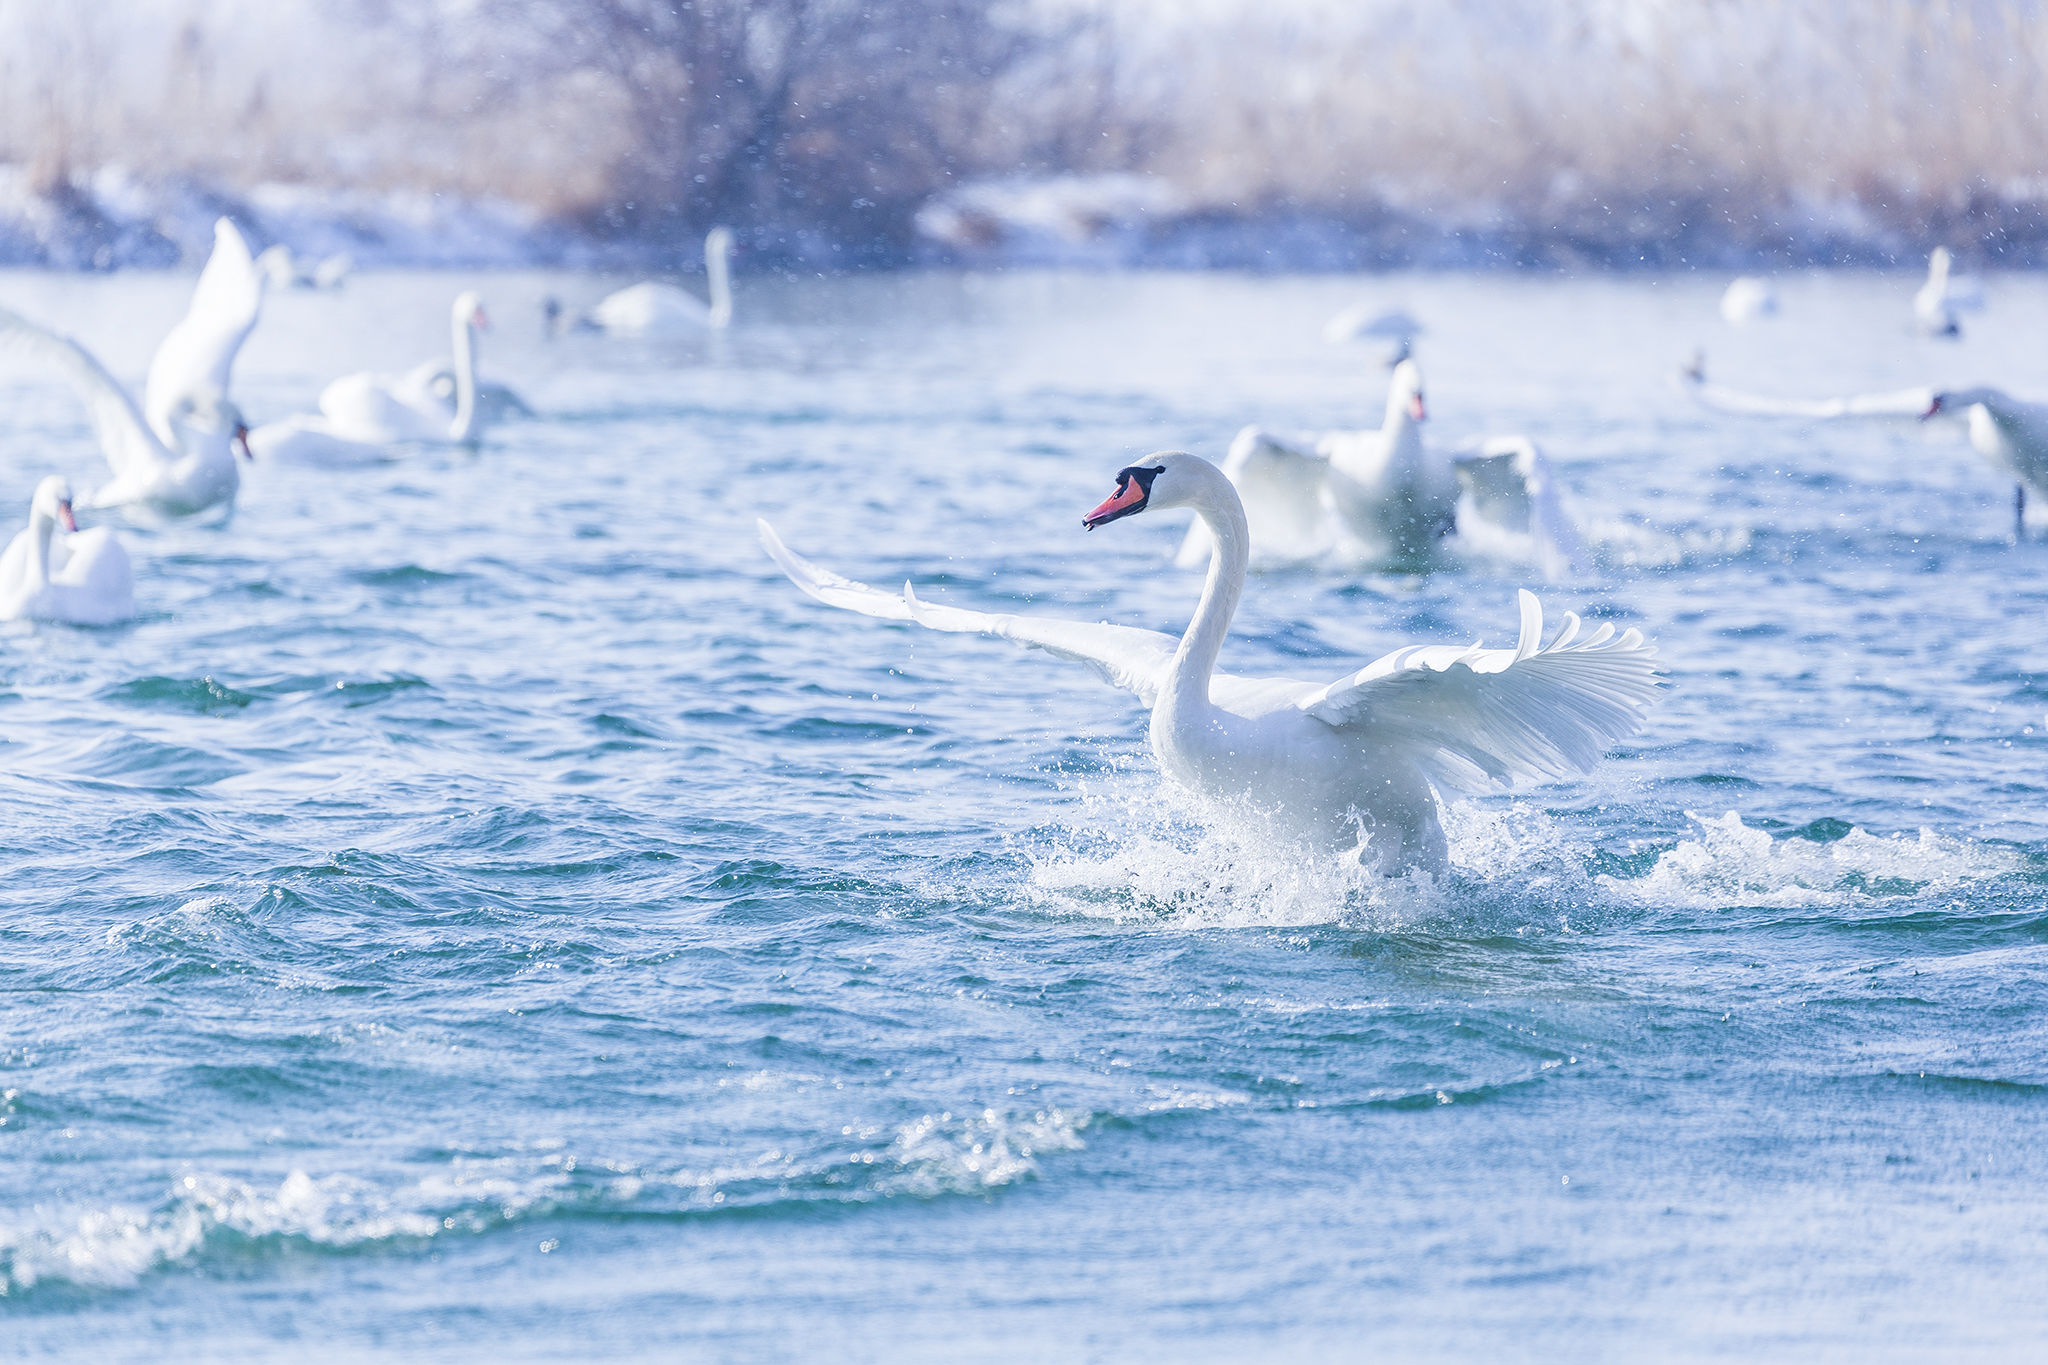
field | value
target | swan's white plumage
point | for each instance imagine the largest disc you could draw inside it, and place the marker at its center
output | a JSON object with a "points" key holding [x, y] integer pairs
{"points": [[194, 472], [656, 309], [193, 362], [1335, 757], [1748, 298], [50, 573], [1510, 506]]}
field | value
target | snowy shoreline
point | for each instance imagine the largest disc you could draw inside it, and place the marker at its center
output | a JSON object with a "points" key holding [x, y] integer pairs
{"points": [[115, 219]]}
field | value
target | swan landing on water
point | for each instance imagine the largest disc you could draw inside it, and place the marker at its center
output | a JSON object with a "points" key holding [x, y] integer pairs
{"points": [[1349, 764]]}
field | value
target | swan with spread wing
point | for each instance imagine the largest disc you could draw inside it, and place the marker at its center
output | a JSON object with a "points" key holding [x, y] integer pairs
{"points": [[174, 455], [1348, 764]]}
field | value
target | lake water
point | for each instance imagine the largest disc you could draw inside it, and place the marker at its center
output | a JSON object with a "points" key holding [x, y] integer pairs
{"points": [[480, 909]]}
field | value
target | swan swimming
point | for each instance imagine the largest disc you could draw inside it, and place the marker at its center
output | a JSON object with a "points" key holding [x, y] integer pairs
{"points": [[1748, 298], [1382, 490], [655, 309], [175, 456], [1350, 765], [53, 571], [361, 414], [1936, 303]]}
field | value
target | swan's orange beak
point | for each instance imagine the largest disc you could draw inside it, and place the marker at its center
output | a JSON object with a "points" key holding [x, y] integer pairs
{"points": [[242, 442], [1129, 497], [1933, 407], [64, 515], [480, 319], [1415, 408]]}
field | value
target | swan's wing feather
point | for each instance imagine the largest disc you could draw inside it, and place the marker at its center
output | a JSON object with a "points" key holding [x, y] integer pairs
{"points": [[124, 438], [195, 357], [1470, 715], [1722, 398], [1133, 659]]}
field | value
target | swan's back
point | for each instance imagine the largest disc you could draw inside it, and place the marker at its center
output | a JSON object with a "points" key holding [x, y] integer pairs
{"points": [[651, 308]]}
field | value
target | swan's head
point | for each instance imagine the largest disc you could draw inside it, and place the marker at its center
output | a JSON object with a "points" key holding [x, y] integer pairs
{"points": [[1938, 261], [469, 311], [53, 501], [1406, 392], [1170, 478], [718, 242], [1960, 400]]}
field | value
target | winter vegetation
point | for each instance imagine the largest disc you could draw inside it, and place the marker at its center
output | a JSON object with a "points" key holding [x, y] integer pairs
{"points": [[848, 132]]}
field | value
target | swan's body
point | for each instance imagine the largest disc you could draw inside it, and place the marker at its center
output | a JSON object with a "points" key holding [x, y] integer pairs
{"points": [[1382, 490], [2011, 434], [1348, 764], [1942, 295], [53, 571], [1748, 298], [362, 413], [654, 309], [1510, 506], [174, 456]]}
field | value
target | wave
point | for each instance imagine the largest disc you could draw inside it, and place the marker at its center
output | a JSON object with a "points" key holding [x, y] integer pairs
{"points": [[205, 1220]]}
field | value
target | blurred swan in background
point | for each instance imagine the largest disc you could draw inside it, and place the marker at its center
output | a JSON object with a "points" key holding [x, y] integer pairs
{"points": [[175, 455], [1396, 328], [1348, 765], [2010, 433], [655, 309], [362, 413], [1943, 295], [52, 571], [1382, 489], [283, 270], [1748, 298]]}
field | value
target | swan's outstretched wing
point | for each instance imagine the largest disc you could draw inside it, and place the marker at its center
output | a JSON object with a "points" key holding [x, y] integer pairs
{"points": [[194, 358], [129, 445], [1135, 660], [1281, 487], [1470, 714], [1508, 491], [1721, 398]]}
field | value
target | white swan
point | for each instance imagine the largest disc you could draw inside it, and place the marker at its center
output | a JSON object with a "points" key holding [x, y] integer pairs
{"points": [[48, 574], [283, 270], [361, 414], [1748, 298], [2009, 433], [654, 309], [1397, 328], [1383, 490], [1510, 506], [1942, 295], [1347, 764]]}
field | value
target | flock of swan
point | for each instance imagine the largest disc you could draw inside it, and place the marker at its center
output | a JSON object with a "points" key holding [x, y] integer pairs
{"points": [[1351, 765]]}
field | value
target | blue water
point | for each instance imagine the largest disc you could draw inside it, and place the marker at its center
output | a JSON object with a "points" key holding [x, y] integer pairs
{"points": [[480, 910]]}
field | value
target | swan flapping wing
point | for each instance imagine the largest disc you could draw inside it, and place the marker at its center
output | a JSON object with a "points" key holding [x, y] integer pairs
{"points": [[127, 441], [1470, 715], [1721, 398], [1133, 659], [1281, 487], [194, 358]]}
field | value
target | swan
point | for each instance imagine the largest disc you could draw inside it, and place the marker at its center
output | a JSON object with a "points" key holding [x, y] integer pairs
{"points": [[188, 470], [654, 309], [362, 413], [283, 270], [1348, 765], [1509, 504], [1748, 298], [2012, 435], [81, 577], [1383, 489], [1938, 299], [1396, 327]]}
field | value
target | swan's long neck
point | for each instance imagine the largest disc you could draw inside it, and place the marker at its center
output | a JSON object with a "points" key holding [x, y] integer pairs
{"points": [[1187, 683], [718, 272], [44, 528], [464, 426]]}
